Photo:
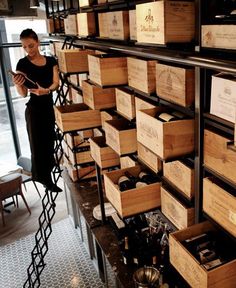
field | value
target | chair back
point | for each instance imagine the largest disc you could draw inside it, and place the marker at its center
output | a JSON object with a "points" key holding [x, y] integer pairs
{"points": [[10, 187], [25, 163]]}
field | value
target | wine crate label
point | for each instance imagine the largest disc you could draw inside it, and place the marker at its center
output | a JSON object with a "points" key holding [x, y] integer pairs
{"points": [[175, 84], [181, 176], [219, 36], [70, 24], [223, 96], [125, 103], [159, 22], [103, 25], [219, 205], [142, 74], [118, 25], [175, 211], [132, 25]]}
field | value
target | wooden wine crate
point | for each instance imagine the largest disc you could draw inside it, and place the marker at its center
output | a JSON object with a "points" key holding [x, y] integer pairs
{"points": [[217, 156], [86, 24], [70, 23], [178, 213], [53, 26], [175, 84], [121, 138], [118, 25], [97, 132], [131, 201], [103, 25], [76, 117], [74, 79], [107, 115], [98, 98], [149, 158], [127, 161], [125, 103], [79, 172], [140, 104], [57, 47], [77, 158], [85, 3], [73, 139], [181, 176], [223, 97], [164, 22], [77, 97], [142, 74], [82, 77], [165, 139], [85, 134], [73, 60], [219, 36], [219, 204], [196, 275], [102, 154], [106, 70], [132, 25]]}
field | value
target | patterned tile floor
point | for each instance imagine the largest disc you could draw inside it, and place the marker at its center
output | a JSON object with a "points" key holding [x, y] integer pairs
{"points": [[67, 262]]}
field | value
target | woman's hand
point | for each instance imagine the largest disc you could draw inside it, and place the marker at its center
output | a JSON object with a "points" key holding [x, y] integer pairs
{"points": [[40, 90], [18, 79]]}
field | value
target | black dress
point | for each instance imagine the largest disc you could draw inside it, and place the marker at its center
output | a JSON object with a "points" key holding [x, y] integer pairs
{"points": [[39, 115]]}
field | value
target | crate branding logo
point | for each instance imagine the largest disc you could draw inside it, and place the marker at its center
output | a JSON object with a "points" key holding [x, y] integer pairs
{"points": [[149, 19]]}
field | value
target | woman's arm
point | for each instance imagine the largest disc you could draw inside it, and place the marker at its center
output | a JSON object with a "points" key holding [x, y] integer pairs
{"points": [[18, 81]]}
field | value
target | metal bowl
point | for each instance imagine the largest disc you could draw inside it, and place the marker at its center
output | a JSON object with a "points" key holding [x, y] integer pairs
{"points": [[146, 277]]}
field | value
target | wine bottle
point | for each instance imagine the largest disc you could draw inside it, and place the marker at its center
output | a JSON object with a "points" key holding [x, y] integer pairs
{"points": [[178, 115], [166, 117], [147, 177], [126, 253], [125, 182]]}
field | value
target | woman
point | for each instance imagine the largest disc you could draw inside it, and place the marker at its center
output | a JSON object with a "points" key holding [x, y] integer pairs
{"points": [[39, 112]]}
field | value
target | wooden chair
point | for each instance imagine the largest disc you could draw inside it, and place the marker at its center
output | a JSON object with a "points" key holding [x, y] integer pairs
{"points": [[10, 186]]}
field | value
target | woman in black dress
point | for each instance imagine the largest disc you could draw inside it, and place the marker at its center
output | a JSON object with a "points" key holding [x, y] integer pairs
{"points": [[39, 112]]}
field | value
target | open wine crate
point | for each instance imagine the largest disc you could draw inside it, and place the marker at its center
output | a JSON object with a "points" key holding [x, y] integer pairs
{"points": [[102, 154], [125, 103], [76, 117], [131, 201], [165, 139], [188, 266], [120, 137]]}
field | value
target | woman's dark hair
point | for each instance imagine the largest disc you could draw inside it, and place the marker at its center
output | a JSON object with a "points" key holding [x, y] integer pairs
{"points": [[28, 33]]}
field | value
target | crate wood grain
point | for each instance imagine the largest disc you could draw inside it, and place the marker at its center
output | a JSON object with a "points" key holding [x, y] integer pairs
{"points": [[165, 139], [105, 70], [121, 138], [125, 103], [175, 84], [70, 23], [73, 60], [118, 25], [132, 25], [219, 36], [127, 161], [73, 139], [219, 204], [142, 74], [85, 3], [141, 104], [98, 98], [77, 158], [86, 24], [217, 156], [76, 117], [182, 176], [163, 22], [102, 154], [149, 158], [223, 97], [107, 115], [188, 266], [180, 215], [103, 25], [131, 201], [82, 77], [85, 134]]}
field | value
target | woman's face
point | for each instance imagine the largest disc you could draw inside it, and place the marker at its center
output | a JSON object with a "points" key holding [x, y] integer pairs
{"points": [[30, 46]]}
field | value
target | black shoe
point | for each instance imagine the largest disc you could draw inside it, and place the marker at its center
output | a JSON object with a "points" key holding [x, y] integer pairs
{"points": [[53, 187]]}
